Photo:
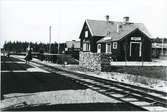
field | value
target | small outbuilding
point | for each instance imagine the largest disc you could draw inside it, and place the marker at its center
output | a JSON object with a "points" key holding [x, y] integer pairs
{"points": [[125, 41]]}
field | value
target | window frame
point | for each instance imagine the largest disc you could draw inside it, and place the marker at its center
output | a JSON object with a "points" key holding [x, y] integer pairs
{"points": [[86, 46], [86, 34], [108, 45], [115, 45], [98, 48]]}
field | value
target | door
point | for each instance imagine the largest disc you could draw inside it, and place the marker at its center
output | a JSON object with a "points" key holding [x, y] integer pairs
{"points": [[135, 51]]}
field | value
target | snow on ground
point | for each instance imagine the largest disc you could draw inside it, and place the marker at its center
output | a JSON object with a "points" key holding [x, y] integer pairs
{"points": [[57, 97]]}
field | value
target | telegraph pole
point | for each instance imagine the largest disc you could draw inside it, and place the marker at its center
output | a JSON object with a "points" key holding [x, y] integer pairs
{"points": [[50, 28], [58, 47], [162, 47]]}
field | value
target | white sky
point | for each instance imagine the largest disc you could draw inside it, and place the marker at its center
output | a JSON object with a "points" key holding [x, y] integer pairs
{"points": [[29, 20]]}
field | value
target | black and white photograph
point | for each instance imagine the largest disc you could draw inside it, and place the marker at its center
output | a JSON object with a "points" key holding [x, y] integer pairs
{"points": [[83, 55]]}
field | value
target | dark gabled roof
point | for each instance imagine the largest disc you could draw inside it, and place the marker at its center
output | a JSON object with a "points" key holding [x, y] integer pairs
{"points": [[100, 28]]}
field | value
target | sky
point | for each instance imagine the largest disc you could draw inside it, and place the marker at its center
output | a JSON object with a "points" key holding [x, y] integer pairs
{"points": [[29, 20]]}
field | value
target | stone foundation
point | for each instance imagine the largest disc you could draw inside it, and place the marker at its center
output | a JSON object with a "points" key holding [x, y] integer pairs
{"points": [[95, 61], [90, 60]]}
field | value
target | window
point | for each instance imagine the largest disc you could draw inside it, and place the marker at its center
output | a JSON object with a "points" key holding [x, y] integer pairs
{"points": [[99, 48], [108, 48], [86, 34], [86, 46], [114, 45]]}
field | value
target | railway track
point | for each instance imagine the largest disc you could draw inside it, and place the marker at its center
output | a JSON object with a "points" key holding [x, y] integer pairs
{"points": [[140, 97]]}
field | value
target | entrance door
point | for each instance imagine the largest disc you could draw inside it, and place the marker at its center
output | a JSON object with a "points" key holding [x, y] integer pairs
{"points": [[135, 51]]}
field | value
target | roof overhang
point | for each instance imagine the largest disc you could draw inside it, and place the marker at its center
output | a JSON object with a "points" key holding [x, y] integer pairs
{"points": [[105, 39], [89, 27], [110, 39]]}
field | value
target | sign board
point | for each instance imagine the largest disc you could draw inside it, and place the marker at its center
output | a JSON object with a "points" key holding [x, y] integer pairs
{"points": [[136, 38], [66, 49]]}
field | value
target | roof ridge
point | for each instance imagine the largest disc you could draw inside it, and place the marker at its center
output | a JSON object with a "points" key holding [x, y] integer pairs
{"points": [[102, 20], [110, 21]]}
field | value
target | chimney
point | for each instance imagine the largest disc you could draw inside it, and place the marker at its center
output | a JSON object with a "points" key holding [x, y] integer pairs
{"points": [[107, 18], [107, 25], [126, 19]]}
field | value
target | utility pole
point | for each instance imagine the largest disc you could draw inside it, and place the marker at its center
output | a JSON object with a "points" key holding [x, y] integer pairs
{"points": [[58, 47], [162, 52], [50, 39]]}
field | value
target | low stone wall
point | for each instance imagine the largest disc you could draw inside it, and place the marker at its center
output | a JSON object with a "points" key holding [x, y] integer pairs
{"points": [[95, 61], [105, 62], [90, 60]]}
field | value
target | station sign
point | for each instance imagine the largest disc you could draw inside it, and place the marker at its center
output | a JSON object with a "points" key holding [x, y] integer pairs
{"points": [[136, 38]]}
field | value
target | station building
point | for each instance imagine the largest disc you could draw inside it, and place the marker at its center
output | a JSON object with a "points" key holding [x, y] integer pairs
{"points": [[105, 41], [125, 41]]}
